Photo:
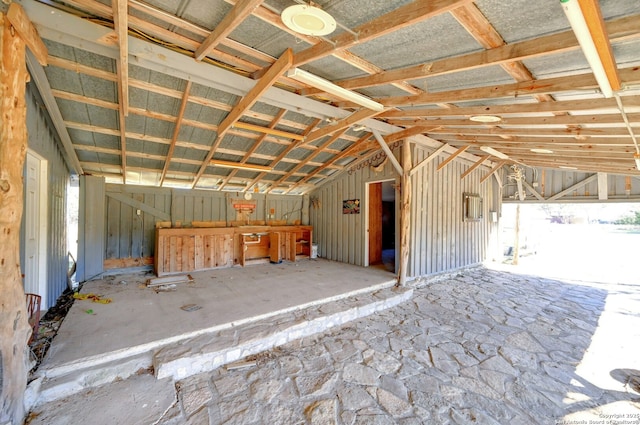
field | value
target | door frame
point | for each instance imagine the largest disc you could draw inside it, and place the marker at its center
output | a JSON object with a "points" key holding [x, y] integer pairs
{"points": [[41, 217], [366, 218]]}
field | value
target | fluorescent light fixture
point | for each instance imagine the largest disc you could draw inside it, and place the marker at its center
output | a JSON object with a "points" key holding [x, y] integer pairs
{"points": [[485, 118], [239, 166], [636, 156], [327, 86], [308, 20], [494, 152], [581, 29], [538, 150], [566, 167]]}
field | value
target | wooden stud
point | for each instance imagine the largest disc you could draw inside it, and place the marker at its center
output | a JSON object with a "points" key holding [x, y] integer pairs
{"points": [[493, 170], [433, 155], [474, 166]]}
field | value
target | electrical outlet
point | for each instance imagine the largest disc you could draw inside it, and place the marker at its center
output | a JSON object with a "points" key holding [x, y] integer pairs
{"points": [[138, 212]]}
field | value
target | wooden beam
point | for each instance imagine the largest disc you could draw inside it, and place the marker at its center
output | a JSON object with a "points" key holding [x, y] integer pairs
{"points": [[286, 151], [120, 197], [593, 17], [342, 124], [351, 150], [433, 155], [493, 170], [176, 131], [452, 157], [594, 120], [14, 327], [519, 108], [23, 26], [619, 29], [255, 146], [122, 120], [474, 166], [521, 194], [603, 187], [305, 161], [121, 26], [268, 130], [403, 134], [275, 71], [405, 214], [532, 190], [40, 79], [573, 187], [527, 88], [403, 17], [240, 11], [388, 151]]}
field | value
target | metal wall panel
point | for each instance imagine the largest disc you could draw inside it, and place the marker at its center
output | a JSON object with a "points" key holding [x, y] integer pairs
{"points": [[132, 235], [440, 239], [43, 141], [549, 183]]}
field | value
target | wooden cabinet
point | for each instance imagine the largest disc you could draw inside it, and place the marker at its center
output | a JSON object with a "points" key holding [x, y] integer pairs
{"points": [[182, 250], [185, 250]]}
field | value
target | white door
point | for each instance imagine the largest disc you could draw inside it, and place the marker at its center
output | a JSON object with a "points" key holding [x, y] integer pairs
{"points": [[35, 227]]}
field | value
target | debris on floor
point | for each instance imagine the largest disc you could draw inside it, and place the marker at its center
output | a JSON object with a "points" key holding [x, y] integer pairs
{"points": [[92, 297], [166, 280], [191, 307], [49, 325]]}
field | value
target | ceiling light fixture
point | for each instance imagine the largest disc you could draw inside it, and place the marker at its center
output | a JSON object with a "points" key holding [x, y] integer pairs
{"points": [[230, 164], [566, 167], [485, 118], [327, 86], [538, 150], [308, 20], [494, 152], [596, 57]]}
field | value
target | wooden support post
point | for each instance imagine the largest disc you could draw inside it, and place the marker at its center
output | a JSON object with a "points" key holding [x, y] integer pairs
{"points": [[516, 243], [14, 327], [405, 213]]}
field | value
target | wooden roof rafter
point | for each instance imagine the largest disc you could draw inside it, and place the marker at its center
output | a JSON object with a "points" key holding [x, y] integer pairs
{"points": [[404, 16], [255, 147], [176, 131], [285, 152], [308, 159], [526, 88], [268, 80], [351, 150], [241, 10]]}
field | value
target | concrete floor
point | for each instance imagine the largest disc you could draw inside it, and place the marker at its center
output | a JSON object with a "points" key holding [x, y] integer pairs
{"points": [[479, 347], [139, 318]]}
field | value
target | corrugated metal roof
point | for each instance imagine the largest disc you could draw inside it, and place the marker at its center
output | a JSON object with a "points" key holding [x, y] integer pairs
{"points": [[438, 55]]}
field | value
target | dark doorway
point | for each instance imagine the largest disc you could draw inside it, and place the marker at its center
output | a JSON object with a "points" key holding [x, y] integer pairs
{"points": [[382, 225]]}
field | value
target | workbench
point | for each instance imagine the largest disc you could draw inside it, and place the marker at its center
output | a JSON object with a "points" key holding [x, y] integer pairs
{"points": [[182, 250]]}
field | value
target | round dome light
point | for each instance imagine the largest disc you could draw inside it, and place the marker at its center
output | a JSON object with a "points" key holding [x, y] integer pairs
{"points": [[537, 150], [308, 20], [485, 118]]}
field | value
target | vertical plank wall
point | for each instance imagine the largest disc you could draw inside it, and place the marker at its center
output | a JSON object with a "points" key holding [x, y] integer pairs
{"points": [[440, 239], [129, 235], [43, 141]]}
